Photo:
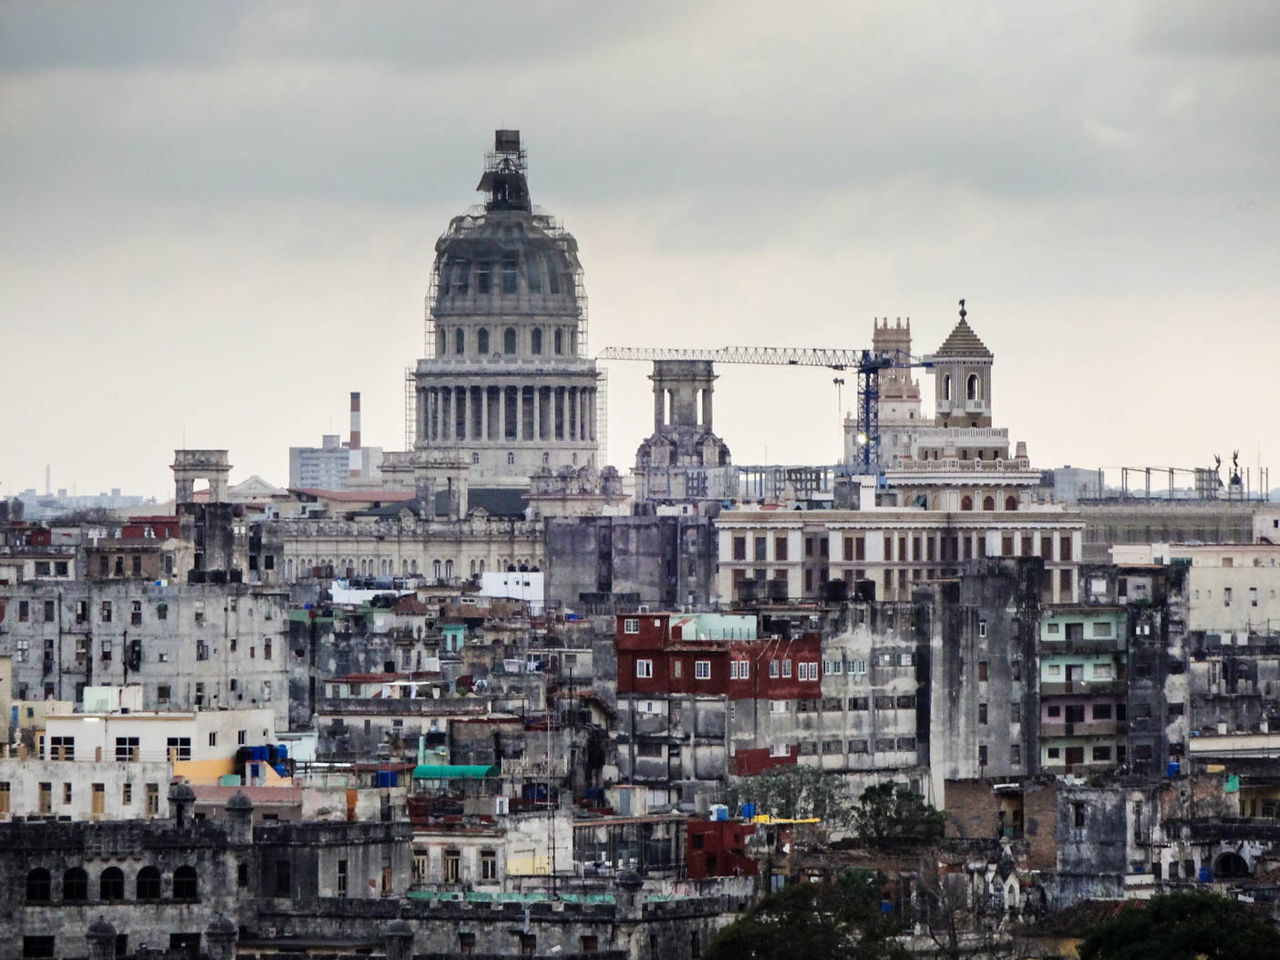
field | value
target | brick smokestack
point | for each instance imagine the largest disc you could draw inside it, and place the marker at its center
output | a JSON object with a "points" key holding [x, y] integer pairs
{"points": [[354, 446]]}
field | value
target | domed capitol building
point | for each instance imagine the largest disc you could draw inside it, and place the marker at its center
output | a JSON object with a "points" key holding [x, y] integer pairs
{"points": [[507, 387]]}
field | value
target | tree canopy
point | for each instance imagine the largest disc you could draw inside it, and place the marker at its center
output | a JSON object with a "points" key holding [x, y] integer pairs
{"points": [[794, 791], [840, 921], [890, 814], [1184, 926]]}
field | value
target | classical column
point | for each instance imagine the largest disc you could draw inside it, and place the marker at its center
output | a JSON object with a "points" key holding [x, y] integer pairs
{"points": [[537, 413], [486, 427], [594, 391], [460, 414], [433, 412], [584, 396], [572, 426]]}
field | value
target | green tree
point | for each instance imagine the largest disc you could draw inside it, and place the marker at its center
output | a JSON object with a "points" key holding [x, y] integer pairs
{"points": [[889, 814], [794, 791], [840, 921], [1184, 926]]}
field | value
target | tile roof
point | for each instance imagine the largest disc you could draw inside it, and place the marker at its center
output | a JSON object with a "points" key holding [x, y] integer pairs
{"points": [[962, 342]]}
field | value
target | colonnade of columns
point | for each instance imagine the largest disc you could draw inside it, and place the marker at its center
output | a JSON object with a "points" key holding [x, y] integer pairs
{"points": [[514, 413]]}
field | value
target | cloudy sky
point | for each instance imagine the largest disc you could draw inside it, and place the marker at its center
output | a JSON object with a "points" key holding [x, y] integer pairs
{"points": [[220, 218]]}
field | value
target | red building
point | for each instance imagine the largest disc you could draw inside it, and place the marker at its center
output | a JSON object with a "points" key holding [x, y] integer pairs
{"points": [[718, 848], [660, 654]]}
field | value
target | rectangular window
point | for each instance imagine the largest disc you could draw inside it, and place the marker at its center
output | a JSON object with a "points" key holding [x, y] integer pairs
{"points": [[760, 545], [773, 669], [786, 669], [677, 668], [982, 628], [153, 799], [488, 865], [24, 611], [733, 669], [857, 667], [780, 548], [126, 794], [126, 749], [62, 748], [631, 625], [213, 738], [982, 713], [66, 793], [342, 878], [702, 669], [982, 671], [49, 612], [104, 611], [178, 748], [744, 669], [135, 613], [4, 796], [1226, 596], [644, 669]]}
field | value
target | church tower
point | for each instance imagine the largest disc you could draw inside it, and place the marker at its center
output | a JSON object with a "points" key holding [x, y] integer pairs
{"points": [[962, 378]]}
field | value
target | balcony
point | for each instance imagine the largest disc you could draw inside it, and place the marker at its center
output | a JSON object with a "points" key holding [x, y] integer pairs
{"points": [[1086, 688], [1092, 728], [1049, 648]]}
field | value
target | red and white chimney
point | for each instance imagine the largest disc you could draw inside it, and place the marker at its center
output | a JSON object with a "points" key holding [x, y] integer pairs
{"points": [[354, 463]]}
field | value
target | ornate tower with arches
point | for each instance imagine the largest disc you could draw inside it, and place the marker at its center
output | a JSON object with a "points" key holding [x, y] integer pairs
{"points": [[507, 387], [962, 378]]}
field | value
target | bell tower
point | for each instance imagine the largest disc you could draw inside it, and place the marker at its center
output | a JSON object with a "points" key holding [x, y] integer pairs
{"points": [[962, 378]]}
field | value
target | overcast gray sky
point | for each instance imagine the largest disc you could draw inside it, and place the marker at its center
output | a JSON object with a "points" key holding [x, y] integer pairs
{"points": [[220, 218]]}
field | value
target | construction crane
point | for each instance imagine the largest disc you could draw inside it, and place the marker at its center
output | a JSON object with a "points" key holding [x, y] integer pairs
{"points": [[867, 364]]}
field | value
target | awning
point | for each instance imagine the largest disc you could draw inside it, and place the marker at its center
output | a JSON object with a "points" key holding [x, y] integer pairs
{"points": [[455, 771]]}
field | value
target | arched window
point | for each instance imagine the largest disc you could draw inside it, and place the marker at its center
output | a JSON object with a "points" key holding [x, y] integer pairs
{"points": [[75, 886], [946, 386], [482, 566], [441, 337], [966, 502], [509, 340], [473, 567], [448, 569], [971, 387], [404, 567], [435, 569], [482, 341], [536, 340], [1011, 503], [148, 887], [535, 275], [459, 341], [413, 566], [559, 344], [39, 886], [988, 503], [111, 884], [185, 884], [553, 276]]}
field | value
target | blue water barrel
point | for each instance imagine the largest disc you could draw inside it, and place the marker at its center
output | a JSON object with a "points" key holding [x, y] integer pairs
{"points": [[1174, 768], [1206, 875]]}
